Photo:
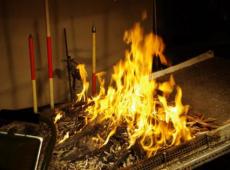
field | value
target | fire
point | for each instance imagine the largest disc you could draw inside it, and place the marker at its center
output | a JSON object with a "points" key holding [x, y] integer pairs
{"points": [[133, 101], [83, 75], [58, 116], [64, 138]]}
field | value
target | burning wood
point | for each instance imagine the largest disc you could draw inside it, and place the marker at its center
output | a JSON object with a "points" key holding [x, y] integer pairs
{"points": [[133, 119], [132, 99], [82, 150]]}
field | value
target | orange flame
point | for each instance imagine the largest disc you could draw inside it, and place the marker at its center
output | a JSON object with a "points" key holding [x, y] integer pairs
{"points": [[132, 99]]}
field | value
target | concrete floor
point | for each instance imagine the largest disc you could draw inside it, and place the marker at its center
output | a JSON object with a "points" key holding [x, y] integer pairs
{"points": [[206, 88]]}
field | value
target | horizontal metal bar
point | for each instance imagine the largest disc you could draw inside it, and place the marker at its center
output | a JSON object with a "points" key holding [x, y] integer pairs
{"points": [[202, 57]]}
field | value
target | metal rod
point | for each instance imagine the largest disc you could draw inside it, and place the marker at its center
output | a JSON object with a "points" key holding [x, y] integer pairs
{"points": [[66, 43], [155, 60], [94, 60], [155, 16], [68, 65]]}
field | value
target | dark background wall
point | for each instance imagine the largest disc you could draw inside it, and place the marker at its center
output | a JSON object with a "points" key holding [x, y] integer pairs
{"points": [[187, 27]]}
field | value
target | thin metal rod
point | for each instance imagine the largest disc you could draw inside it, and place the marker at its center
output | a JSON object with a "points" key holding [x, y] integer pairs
{"points": [[66, 43], [94, 60], [155, 16], [155, 60], [68, 65]]}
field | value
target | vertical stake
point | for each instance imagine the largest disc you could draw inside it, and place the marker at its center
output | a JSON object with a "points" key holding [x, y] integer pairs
{"points": [[33, 75], [94, 60], [49, 55]]}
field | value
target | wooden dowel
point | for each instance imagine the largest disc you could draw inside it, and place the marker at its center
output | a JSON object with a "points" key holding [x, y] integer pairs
{"points": [[33, 75], [49, 54]]}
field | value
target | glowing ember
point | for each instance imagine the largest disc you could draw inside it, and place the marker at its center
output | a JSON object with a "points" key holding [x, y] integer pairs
{"points": [[133, 101]]}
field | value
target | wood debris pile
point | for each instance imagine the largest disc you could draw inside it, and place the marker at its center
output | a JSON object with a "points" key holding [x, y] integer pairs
{"points": [[83, 150]]}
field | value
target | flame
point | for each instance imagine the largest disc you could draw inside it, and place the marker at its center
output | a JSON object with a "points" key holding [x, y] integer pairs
{"points": [[133, 101], [59, 115], [83, 74], [66, 136]]}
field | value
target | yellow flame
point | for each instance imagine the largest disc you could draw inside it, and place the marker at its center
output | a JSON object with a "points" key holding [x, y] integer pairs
{"points": [[133, 101], [64, 138], [58, 116], [83, 74]]}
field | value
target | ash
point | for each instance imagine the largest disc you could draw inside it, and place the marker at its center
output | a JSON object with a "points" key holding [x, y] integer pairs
{"points": [[82, 150]]}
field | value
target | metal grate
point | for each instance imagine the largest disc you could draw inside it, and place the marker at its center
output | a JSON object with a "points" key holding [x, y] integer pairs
{"points": [[166, 156], [201, 149]]}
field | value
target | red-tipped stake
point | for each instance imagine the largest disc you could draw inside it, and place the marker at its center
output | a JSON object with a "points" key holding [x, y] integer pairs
{"points": [[94, 61], [33, 75], [49, 54]]}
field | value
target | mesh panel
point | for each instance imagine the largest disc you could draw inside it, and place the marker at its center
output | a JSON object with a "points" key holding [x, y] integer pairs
{"points": [[175, 152]]}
